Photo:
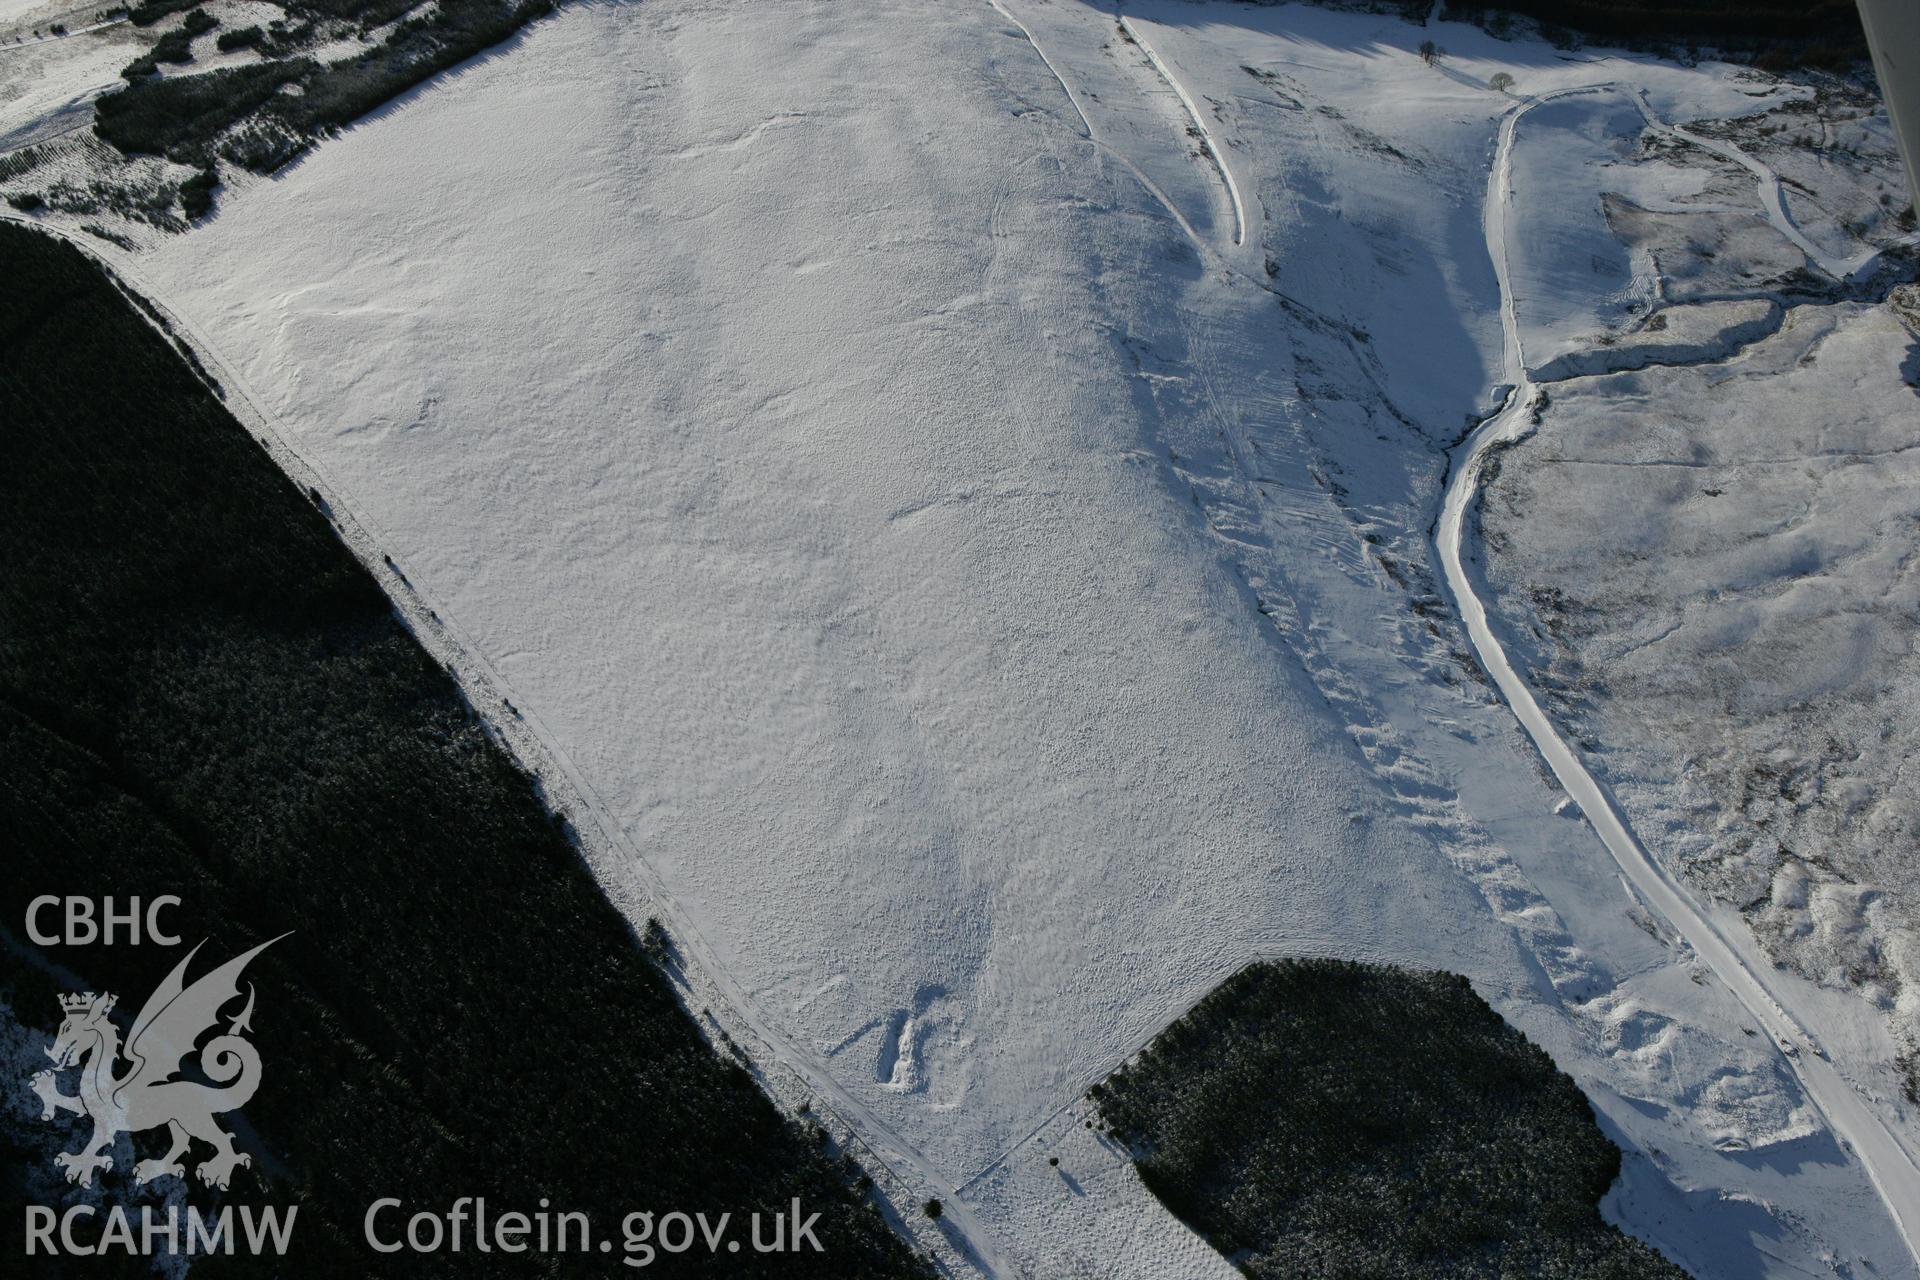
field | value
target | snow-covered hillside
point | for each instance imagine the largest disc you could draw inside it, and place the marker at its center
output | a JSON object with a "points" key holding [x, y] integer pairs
{"points": [[1726, 617], [950, 488]]}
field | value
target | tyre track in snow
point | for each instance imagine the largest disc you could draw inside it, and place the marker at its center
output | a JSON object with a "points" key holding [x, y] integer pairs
{"points": [[1207, 139], [710, 995], [1087, 130], [1085, 124], [1213, 255], [1734, 960]]}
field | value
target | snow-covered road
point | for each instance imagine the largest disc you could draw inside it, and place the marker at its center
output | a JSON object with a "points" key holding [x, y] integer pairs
{"points": [[1735, 960]]}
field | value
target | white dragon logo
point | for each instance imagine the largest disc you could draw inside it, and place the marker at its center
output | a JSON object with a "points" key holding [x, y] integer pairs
{"points": [[147, 1095]]}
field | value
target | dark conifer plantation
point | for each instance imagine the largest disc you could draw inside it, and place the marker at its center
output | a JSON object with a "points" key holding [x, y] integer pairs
{"points": [[1780, 33], [1339, 1121]]}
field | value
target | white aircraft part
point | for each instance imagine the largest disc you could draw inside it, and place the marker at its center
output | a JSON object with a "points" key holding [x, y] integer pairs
{"points": [[1893, 32]]}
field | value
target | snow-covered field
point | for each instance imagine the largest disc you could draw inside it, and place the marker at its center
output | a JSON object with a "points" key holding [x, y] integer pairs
{"points": [[950, 487]]}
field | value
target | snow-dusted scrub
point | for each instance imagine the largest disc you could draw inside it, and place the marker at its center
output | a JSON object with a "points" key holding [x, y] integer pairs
{"points": [[1714, 567], [1840, 172], [196, 106]]}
